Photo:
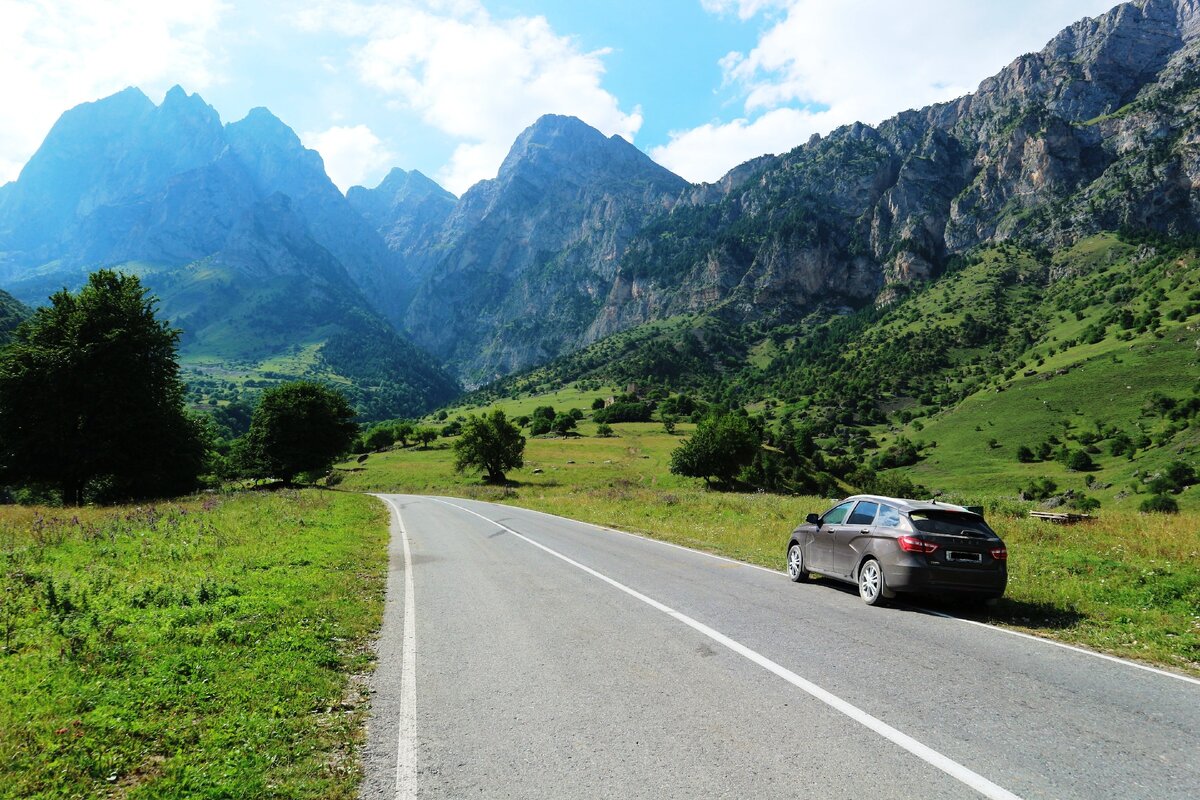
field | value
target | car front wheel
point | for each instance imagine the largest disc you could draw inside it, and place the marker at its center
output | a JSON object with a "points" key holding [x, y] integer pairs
{"points": [[870, 582], [795, 564]]}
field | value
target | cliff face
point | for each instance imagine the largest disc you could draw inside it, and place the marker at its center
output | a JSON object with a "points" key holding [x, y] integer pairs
{"points": [[525, 260]]}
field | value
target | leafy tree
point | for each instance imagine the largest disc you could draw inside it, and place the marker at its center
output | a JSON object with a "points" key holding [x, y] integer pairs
{"points": [[1025, 455], [669, 422], [598, 404], [563, 424], [425, 436], [453, 429], [545, 412], [540, 425], [489, 443], [299, 426], [404, 432], [604, 429], [576, 414], [91, 402], [719, 448], [380, 437], [624, 412]]}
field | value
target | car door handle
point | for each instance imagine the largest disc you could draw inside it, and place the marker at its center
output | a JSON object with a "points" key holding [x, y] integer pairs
{"points": [[865, 531]]}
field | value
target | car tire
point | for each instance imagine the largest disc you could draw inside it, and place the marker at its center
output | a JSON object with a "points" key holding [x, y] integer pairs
{"points": [[795, 563], [871, 586]]}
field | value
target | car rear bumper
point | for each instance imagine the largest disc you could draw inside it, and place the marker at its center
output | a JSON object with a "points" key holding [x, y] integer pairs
{"points": [[935, 579]]}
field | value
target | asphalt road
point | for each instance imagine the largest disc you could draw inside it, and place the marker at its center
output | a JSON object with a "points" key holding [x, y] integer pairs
{"points": [[529, 656]]}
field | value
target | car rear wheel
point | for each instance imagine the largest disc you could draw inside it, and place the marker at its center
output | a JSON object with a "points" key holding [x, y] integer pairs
{"points": [[870, 582], [795, 563]]}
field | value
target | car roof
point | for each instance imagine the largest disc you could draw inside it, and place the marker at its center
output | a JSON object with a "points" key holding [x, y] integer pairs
{"points": [[904, 504]]}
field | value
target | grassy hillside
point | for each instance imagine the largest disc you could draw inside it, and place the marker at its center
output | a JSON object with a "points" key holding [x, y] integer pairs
{"points": [[194, 649]]}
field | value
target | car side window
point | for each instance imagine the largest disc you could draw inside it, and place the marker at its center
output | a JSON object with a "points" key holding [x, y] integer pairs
{"points": [[864, 513], [836, 514], [888, 517]]}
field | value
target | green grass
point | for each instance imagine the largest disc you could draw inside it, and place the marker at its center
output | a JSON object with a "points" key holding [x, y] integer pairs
{"points": [[1126, 583], [203, 648]]}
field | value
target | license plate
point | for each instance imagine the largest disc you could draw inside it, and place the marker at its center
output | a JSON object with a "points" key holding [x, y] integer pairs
{"points": [[954, 555]]}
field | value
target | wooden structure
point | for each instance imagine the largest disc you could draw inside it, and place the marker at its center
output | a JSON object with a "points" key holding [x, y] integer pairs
{"points": [[1060, 518]]}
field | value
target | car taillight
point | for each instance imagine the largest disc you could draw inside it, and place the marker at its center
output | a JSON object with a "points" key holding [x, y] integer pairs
{"points": [[1000, 553], [911, 544]]}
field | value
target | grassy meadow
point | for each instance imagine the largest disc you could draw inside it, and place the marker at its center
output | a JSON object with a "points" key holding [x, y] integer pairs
{"points": [[210, 647], [1125, 583]]}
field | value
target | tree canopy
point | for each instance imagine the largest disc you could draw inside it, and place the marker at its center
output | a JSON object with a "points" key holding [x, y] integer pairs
{"points": [[299, 426], [491, 444], [720, 447], [91, 402]]}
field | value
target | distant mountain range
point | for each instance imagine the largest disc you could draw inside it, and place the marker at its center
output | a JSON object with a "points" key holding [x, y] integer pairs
{"points": [[269, 269]]}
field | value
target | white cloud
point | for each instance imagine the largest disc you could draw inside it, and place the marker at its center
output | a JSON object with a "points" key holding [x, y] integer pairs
{"points": [[55, 54], [353, 155], [477, 78], [818, 65]]}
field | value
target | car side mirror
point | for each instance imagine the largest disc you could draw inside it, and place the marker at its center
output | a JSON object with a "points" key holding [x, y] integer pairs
{"points": [[813, 519]]}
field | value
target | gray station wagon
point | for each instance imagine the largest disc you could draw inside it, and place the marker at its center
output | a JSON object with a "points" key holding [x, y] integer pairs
{"points": [[887, 545]]}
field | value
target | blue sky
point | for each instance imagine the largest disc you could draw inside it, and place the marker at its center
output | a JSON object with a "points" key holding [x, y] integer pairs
{"points": [[445, 85]]}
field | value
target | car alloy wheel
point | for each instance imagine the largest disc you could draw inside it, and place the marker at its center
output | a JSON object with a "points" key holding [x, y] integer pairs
{"points": [[870, 582], [795, 564]]}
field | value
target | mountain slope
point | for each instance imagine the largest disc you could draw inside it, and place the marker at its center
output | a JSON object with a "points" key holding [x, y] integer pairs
{"points": [[524, 260]]}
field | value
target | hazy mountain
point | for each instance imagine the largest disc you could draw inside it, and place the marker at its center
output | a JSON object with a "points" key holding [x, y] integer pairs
{"points": [[524, 260], [408, 210], [253, 251]]}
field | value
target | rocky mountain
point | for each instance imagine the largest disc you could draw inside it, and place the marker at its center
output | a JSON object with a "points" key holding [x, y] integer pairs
{"points": [[1097, 131], [525, 260], [252, 250], [408, 210]]}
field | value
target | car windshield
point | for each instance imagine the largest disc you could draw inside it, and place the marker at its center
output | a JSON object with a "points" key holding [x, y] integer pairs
{"points": [[954, 523]]}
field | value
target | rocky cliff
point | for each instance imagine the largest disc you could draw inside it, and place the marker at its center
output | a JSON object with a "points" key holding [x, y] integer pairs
{"points": [[525, 260], [1098, 131]]}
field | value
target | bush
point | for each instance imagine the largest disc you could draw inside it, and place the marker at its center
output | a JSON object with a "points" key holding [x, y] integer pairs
{"points": [[604, 429], [1159, 504], [1025, 455], [1039, 489], [453, 429], [540, 425], [598, 404]]}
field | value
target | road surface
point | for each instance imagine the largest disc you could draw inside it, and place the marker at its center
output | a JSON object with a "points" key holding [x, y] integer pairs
{"points": [[529, 656]]}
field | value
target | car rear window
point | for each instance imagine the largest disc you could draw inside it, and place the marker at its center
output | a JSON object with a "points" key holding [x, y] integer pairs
{"points": [[954, 523]]}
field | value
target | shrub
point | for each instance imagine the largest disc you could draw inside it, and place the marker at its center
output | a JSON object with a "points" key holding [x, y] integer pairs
{"points": [[604, 429], [1080, 461], [1159, 504], [719, 448], [1025, 455], [598, 404]]}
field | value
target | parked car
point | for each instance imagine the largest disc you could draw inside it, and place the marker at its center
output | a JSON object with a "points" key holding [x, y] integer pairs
{"points": [[887, 545]]}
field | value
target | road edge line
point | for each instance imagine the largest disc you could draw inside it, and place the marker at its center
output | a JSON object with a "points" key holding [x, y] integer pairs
{"points": [[406, 737], [927, 754]]}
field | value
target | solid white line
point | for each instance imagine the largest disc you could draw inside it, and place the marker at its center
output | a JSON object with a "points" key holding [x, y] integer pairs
{"points": [[927, 754], [406, 740], [651, 540], [1064, 646], [1041, 640]]}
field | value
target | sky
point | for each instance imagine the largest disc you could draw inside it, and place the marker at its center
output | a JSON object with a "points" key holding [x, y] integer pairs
{"points": [[445, 86]]}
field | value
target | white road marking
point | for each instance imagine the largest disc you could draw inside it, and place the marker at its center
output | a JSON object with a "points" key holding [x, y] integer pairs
{"points": [[927, 754], [406, 744], [1009, 631]]}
